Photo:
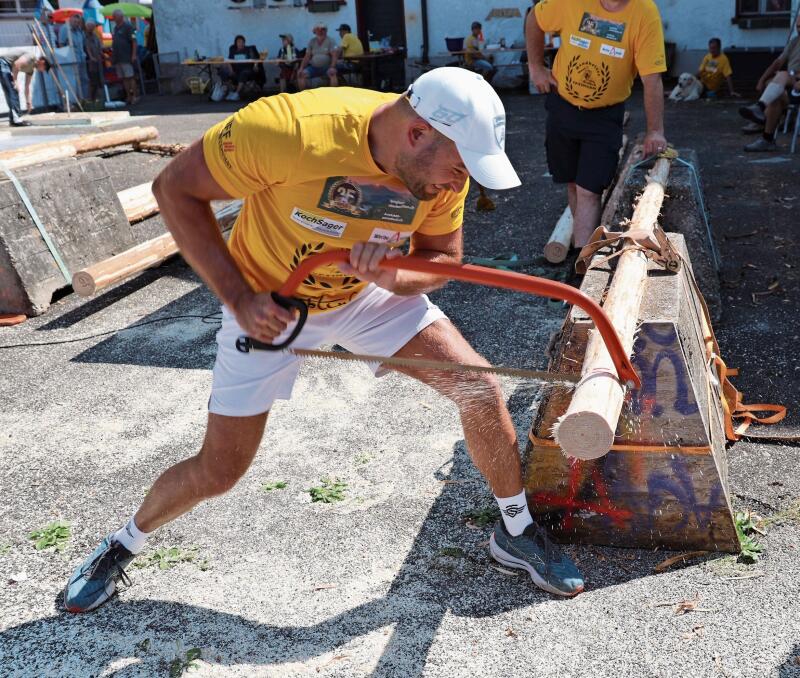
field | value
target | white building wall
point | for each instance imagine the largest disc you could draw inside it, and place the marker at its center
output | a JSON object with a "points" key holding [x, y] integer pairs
{"points": [[448, 19], [209, 27], [690, 24]]}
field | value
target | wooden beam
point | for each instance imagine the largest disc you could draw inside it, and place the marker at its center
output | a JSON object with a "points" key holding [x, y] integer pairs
{"points": [[38, 153], [138, 202], [557, 248], [150, 253], [586, 431], [159, 149]]}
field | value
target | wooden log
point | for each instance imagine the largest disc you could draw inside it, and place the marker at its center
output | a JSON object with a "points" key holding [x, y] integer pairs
{"points": [[138, 202], [557, 248], [586, 431], [150, 253], [160, 149], [38, 153]]}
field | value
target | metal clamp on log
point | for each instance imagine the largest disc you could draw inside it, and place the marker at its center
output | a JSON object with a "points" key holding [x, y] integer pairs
{"points": [[654, 245]]}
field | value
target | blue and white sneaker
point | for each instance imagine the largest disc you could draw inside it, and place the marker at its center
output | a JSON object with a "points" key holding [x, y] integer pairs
{"points": [[95, 580], [533, 551]]}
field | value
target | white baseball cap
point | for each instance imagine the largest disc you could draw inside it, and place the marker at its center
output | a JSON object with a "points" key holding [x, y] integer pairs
{"points": [[463, 106]]}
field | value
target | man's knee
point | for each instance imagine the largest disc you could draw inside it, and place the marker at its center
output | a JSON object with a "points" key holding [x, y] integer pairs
{"points": [[229, 448], [782, 78], [585, 195]]}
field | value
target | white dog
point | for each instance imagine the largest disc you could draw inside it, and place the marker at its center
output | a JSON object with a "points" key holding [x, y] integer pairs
{"points": [[688, 88]]}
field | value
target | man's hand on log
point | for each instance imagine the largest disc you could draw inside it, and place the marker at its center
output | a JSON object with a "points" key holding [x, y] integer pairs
{"points": [[365, 259], [654, 143], [261, 318]]}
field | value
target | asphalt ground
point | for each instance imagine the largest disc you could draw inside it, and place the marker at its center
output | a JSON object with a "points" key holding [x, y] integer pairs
{"points": [[391, 581]]}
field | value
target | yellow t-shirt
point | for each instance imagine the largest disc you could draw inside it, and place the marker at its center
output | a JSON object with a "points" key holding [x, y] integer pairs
{"points": [[714, 70], [472, 47], [602, 51], [303, 165], [351, 45]]}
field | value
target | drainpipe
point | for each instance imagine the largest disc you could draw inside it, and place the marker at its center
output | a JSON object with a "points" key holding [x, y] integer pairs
{"points": [[424, 13]]}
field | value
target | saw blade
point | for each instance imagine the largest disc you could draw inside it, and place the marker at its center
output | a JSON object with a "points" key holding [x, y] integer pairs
{"points": [[420, 363]]}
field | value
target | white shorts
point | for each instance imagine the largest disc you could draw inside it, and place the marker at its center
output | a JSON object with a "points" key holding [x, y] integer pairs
{"points": [[376, 322]]}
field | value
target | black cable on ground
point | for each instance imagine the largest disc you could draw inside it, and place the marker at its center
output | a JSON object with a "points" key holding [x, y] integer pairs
{"points": [[209, 319]]}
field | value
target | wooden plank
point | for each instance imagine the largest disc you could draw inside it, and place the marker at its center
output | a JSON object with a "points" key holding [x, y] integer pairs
{"points": [[90, 280], [47, 151], [138, 202]]}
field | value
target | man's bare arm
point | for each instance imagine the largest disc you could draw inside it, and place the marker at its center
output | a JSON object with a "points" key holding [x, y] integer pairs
{"points": [[184, 191], [534, 42], [654, 141]]}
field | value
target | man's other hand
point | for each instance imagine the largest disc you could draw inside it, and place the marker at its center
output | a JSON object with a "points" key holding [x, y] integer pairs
{"points": [[261, 318], [542, 78], [365, 259]]}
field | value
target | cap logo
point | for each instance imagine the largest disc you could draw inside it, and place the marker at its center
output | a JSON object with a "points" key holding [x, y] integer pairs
{"points": [[500, 131], [446, 116]]}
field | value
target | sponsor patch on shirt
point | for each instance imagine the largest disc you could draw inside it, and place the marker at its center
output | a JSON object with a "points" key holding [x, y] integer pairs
{"points": [[583, 43], [602, 28], [318, 224], [389, 237], [610, 50]]}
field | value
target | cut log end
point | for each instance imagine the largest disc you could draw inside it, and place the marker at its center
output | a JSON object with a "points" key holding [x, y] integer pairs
{"points": [[555, 252], [83, 284], [584, 435]]}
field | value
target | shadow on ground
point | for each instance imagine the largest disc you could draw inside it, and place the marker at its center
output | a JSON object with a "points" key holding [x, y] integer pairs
{"points": [[425, 589]]}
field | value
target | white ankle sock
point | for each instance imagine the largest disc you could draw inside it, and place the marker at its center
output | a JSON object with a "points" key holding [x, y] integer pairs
{"points": [[516, 516], [131, 537], [772, 92]]}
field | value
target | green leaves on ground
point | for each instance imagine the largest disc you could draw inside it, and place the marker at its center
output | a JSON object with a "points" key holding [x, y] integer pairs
{"points": [[188, 662], [452, 552], [55, 535], [4, 548], [329, 491], [745, 527], [274, 485], [488, 515], [165, 558]]}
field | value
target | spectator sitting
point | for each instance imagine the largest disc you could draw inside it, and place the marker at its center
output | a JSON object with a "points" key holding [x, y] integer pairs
{"points": [[240, 74], [474, 58], [288, 53], [781, 75], [350, 46], [319, 60], [714, 69]]}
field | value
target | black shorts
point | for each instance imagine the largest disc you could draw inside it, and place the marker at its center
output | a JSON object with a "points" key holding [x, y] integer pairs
{"points": [[583, 144]]}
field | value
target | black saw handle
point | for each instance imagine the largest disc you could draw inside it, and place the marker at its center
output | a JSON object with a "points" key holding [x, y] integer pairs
{"points": [[245, 344]]}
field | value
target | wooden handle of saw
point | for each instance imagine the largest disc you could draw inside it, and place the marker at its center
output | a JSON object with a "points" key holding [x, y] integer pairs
{"points": [[481, 275]]}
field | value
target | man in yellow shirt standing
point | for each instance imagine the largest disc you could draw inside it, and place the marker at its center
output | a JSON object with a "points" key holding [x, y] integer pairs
{"points": [[335, 168], [350, 46], [716, 69], [604, 43]]}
